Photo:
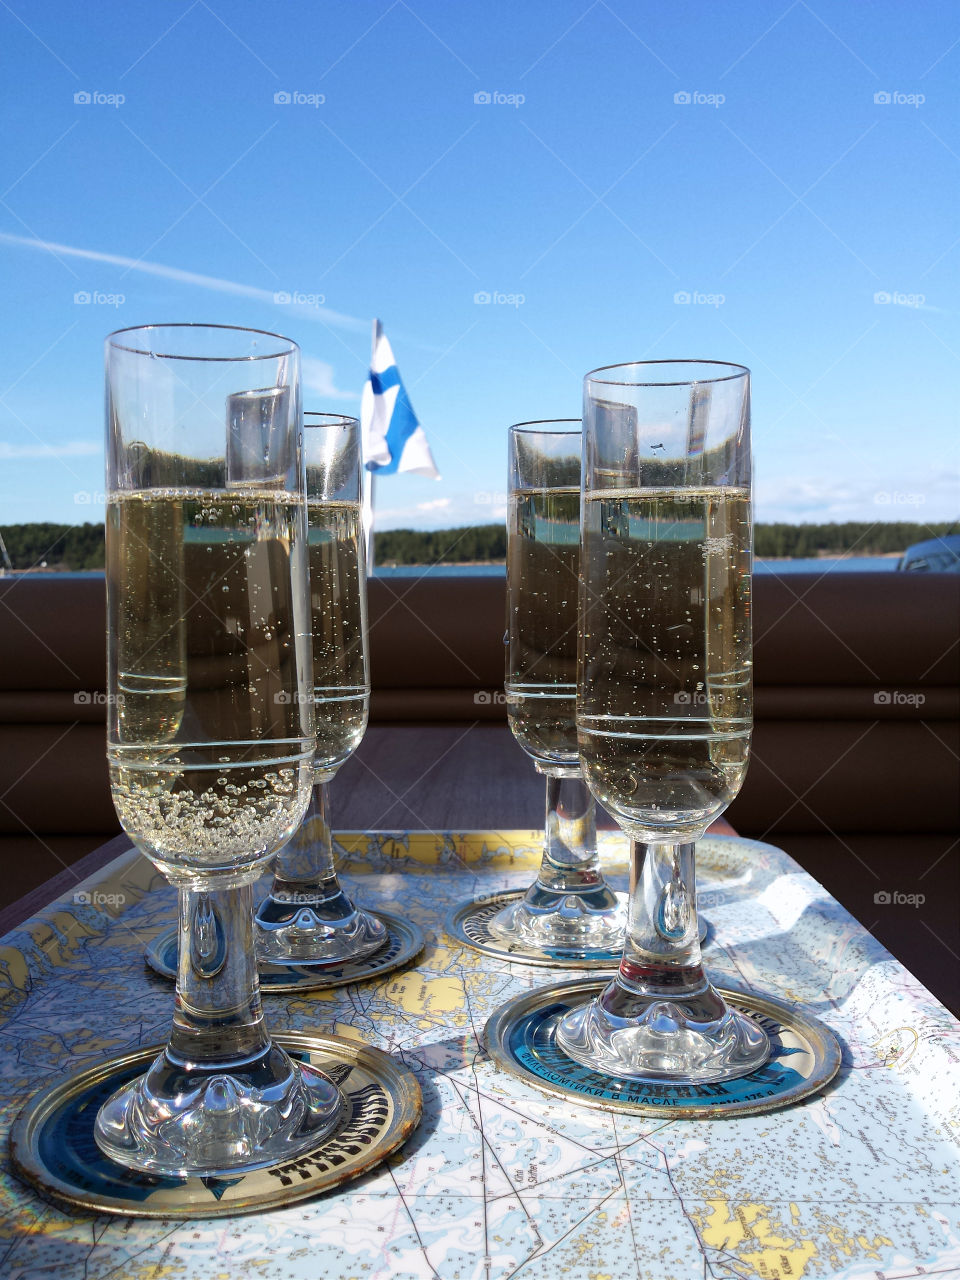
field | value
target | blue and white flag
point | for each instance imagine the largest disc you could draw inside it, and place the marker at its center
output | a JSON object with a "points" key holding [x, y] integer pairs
{"points": [[393, 439]]}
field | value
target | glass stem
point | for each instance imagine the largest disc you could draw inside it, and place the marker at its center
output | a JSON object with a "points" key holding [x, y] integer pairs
{"points": [[304, 872], [217, 1017], [570, 861], [307, 918], [661, 1018], [662, 951]]}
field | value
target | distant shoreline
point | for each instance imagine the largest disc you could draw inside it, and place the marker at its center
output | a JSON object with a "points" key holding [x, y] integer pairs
{"points": [[483, 548], [835, 555], [54, 570], [470, 564], [430, 564]]}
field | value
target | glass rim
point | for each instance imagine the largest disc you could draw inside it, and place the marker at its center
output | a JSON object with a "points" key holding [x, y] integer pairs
{"points": [[330, 419], [741, 371], [288, 349], [540, 427]]}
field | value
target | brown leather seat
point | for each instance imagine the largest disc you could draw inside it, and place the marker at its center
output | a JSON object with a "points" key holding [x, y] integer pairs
{"points": [[855, 753]]}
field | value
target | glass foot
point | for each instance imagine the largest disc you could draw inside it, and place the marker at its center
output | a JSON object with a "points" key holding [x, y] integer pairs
{"points": [[179, 1120], [591, 919], [318, 931], [691, 1037]]}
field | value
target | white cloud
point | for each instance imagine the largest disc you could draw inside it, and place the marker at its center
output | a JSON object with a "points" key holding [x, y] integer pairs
{"points": [[918, 495], [318, 380], [69, 449], [458, 510]]}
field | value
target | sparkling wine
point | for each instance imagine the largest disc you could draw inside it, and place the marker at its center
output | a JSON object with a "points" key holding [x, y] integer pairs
{"points": [[211, 746], [665, 689], [338, 603], [149, 608], [542, 568]]}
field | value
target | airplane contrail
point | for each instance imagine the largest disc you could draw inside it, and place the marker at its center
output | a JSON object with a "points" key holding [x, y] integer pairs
{"points": [[71, 449], [323, 314]]}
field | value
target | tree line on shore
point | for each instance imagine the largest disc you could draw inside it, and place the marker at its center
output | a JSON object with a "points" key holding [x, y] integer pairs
{"points": [[78, 547], [771, 541], [54, 546]]}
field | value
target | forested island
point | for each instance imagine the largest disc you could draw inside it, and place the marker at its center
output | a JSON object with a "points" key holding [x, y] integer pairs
{"points": [[76, 547], [53, 546]]}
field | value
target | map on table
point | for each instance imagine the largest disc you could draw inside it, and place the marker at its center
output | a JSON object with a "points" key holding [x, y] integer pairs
{"points": [[501, 1180]]}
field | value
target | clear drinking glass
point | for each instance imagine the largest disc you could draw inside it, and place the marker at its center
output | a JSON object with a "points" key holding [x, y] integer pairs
{"points": [[570, 909], [307, 919], [211, 724], [664, 705]]}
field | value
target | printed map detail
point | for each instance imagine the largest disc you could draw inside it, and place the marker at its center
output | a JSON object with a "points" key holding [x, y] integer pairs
{"points": [[500, 1180]]}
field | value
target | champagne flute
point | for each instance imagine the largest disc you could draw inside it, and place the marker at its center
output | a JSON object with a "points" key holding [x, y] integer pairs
{"points": [[211, 726], [307, 919], [664, 699], [570, 911]]}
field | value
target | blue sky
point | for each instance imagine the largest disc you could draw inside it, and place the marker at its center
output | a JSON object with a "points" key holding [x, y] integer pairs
{"points": [[768, 183]]}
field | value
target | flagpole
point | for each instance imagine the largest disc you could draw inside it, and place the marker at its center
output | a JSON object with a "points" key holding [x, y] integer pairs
{"points": [[393, 439], [369, 481]]}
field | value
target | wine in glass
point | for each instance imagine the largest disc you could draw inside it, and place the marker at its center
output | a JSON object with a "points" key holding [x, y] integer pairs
{"points": [[570, 911], [664, 702], [307, 919], [211, 724]]}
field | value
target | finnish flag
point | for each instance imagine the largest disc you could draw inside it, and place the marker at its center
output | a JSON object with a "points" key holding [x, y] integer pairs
{"points": [[393, 439]]}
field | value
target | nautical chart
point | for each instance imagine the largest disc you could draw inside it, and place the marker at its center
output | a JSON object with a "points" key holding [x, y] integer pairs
{"points": [[500, 1180]]}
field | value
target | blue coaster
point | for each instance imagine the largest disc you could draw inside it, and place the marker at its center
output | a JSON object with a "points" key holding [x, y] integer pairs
{"points": [[405, 940], [53, 1148], [804, 1057], [469, 923]]}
